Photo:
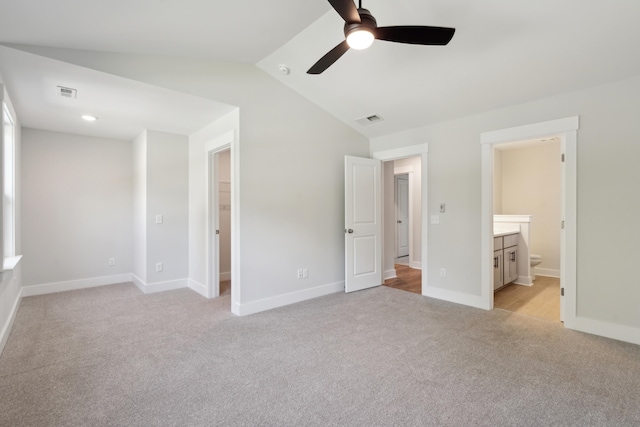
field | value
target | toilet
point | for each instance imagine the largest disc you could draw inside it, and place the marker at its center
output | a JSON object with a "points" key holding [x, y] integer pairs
{"points": [[535, 260]]}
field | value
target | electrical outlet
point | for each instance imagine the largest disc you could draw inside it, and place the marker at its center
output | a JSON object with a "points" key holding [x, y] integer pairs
{"points": [[159, 267], [443, 272], [305, 273], [112, 262], [159, 219], [300, 276], [435, 219]]}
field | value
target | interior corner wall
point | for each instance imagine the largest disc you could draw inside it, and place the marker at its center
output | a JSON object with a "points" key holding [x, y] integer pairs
{"points": [[167, 194], [139, 160], [607, 159], [76, 210], [11, 281]]}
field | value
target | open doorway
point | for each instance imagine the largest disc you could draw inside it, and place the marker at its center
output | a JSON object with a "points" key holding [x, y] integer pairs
{"points": [[527, 193], [566, 130], [223, 177], [402, 224]]}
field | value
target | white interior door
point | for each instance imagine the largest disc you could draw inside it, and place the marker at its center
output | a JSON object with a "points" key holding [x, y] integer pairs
{"points": [[363, 223], [402, 216]]}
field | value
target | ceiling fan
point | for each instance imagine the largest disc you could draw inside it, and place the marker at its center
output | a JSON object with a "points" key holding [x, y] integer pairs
{"points": [[361, 28]]}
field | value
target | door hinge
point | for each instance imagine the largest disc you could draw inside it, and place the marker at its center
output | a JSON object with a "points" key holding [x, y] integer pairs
{"points": [[562, 225], [561, 292], [562, 158], [217, 231]]}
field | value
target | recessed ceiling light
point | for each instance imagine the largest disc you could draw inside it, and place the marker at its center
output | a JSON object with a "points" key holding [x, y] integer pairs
{"points": [[89, 118]]}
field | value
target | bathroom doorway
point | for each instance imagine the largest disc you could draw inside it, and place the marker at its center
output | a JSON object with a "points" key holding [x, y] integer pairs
{"points": [[527, 181]]}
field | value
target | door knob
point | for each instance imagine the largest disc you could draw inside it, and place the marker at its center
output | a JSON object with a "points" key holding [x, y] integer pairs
{"points": [[399, 222], [350, 231]]}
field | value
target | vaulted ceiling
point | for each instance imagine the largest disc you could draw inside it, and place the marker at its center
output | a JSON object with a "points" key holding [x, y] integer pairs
{"points": [[503, 53]]}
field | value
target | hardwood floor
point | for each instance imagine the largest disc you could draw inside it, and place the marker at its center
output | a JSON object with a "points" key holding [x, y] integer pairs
{"points": [[225, 287], [540, 300], [409, 279]]}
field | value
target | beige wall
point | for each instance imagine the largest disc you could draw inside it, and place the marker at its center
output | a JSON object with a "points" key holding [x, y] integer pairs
{"points": [[530, 181]]}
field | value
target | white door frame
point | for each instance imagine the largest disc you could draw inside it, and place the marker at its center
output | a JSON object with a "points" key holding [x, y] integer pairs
{"points": [[421, 151], [227, 141], [567, 130]]}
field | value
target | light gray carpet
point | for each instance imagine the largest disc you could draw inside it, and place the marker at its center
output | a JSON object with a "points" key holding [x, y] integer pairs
{"points": [[381, 357]]}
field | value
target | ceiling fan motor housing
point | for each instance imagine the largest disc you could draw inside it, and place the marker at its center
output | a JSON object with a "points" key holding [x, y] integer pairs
{"points": [[367, 21]]}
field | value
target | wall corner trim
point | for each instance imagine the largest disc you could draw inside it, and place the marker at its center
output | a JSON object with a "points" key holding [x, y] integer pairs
{"points": [[199, 288], [152, 288], [72, 285], [605, 329], [6, 328], [456, 297], [286, 299]]}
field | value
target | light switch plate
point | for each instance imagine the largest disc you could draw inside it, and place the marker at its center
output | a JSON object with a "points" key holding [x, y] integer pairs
{"points": [[442, 207]]}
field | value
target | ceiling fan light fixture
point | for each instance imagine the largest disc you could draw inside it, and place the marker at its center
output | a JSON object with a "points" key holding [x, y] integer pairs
{"points": [[360, 38]]}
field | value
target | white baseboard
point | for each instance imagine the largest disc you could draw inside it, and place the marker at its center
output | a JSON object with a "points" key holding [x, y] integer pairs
{"points": [[72, 285], [416, 264], [606, 329], [286, 299], [524, 281], [225, 276], [389, 274], [6, 328], [456, 297], [199, 288], [152, 288], [547, 272]]}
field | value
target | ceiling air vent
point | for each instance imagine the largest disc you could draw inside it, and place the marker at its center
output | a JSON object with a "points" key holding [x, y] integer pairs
{"points": [[370, 119], [67, 92]]}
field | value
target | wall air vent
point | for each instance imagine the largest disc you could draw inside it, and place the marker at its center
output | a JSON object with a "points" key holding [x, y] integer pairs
{"points": [[67, 92], [370, 119]]}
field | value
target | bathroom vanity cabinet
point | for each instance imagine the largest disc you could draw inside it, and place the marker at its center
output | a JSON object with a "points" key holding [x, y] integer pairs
{"points": [[505, 260]]}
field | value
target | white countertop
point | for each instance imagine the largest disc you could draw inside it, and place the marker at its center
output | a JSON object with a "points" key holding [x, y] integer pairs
{"points": [[505, 233]]}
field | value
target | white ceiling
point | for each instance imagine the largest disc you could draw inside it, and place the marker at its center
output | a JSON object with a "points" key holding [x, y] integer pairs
{"points": [[503, 53]]}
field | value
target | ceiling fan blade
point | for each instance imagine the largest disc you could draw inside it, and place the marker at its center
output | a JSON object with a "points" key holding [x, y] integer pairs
{"points": [[415, 34], [328, 60], [347, 10]]}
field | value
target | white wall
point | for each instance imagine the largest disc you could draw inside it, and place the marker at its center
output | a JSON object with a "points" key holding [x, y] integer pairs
{"points": [[11, 281], [167, 195], [608, 155], [77, 207], [530, 184], [139, 159], [161, 188]]}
